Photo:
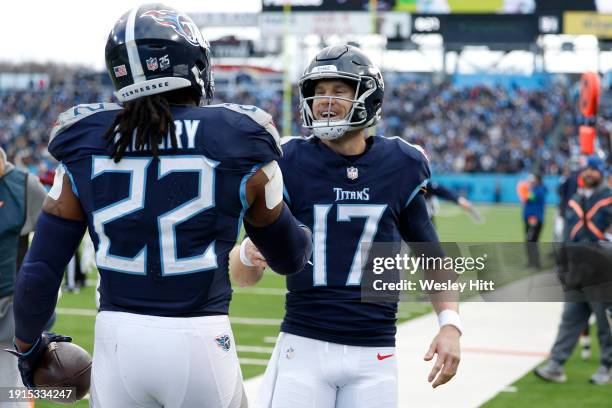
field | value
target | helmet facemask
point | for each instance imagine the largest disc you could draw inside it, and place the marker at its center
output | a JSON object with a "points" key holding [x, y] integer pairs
{"points": [[204, 79], [332, 128]]}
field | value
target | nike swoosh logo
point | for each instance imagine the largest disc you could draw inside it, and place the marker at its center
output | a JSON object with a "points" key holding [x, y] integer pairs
{"points": [[378, 356]]}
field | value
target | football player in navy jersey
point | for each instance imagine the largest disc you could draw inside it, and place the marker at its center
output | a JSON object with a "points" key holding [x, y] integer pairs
{"points": [[163, 186], [351, 189]]}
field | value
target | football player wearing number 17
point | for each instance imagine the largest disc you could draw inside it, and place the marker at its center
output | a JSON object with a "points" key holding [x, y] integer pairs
{"points": [[351, 190], [163, 185]]}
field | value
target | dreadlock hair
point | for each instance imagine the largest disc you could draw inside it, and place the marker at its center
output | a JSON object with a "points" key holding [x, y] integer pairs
{"points": [[149, 120]]}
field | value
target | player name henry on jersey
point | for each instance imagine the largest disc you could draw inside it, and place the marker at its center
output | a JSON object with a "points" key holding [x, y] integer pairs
{"points": [[186, 131], [341, 194]]}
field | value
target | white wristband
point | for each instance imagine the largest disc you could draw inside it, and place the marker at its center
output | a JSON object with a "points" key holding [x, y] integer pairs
{"points": [[243, 257], [450, 317]]}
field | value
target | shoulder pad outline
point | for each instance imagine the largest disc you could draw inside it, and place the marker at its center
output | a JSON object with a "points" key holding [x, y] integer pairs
{"points": [[286, 139], [71, 116], [416, 147], [258, 115]]}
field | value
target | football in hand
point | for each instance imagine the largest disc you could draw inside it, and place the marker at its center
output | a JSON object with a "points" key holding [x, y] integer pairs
{"points": [[64, 365]]}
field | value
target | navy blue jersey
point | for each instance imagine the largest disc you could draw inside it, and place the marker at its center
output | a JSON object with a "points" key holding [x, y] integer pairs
{"points": [[163, 228], [348, 204]]}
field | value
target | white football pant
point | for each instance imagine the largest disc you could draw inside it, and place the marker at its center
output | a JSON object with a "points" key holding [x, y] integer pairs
{"points": [[10, 379], [308, 373], [9, 374], [169, 362]]}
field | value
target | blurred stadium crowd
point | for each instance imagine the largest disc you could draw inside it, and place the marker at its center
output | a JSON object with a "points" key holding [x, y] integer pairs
{"points": [[463, 129]]}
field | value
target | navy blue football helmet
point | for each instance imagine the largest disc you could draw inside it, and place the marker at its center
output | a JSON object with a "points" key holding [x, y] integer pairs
{"points": [[154, 49]]}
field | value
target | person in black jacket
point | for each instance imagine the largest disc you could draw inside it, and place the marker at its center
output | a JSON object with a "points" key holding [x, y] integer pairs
{"points": [[588, 221]]}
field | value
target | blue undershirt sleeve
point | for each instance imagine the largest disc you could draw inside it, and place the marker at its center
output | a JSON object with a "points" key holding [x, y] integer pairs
{"points": [[55, 242]]}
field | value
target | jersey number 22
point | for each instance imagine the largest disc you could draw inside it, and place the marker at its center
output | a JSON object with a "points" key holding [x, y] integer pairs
{"points": [[137, 169]]}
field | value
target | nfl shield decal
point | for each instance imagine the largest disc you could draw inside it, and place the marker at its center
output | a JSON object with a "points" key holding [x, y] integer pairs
{"points": [[152, 64], [223, 342], [352, 173]]}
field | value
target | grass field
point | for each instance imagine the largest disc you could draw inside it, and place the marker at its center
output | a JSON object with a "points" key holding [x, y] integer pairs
{"points": [[256, 314], [530, 391]]}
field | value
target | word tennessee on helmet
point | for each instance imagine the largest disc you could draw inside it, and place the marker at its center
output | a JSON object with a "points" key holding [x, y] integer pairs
{"points": [[349, 64], [154, 49]]}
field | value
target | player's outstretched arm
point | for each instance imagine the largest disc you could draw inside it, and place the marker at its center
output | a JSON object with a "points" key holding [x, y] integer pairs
{"points": [[416, 226], [58, 233], [445, 344], [282, 242]]}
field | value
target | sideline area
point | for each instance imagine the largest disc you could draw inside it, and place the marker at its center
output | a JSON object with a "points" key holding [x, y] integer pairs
{"points": [[502, 342]]}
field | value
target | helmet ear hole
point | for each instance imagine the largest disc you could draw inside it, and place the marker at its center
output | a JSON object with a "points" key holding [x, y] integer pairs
{"points": [[308, 89], [156, 47]]}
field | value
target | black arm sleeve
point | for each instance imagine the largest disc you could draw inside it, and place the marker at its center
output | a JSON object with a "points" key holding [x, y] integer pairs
{"points": [[286, 246], [444, 193], [418, 231]]}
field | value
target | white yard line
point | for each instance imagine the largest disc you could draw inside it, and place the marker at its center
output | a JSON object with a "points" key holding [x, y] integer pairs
{"points": [[255, 321], [254, 361], [76, 312], [261, 291], [254, 349]]}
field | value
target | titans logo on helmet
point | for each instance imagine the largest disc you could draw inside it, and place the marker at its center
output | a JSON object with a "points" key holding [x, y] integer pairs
{"points": [[223, 342], [181, 24]]}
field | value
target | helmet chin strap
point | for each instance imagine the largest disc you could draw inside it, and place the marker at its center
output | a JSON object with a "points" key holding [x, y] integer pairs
{"points": [[337, 132], [329, 132]]}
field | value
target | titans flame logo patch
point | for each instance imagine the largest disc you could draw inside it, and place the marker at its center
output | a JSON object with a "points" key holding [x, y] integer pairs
{"points": [[181, 24]]}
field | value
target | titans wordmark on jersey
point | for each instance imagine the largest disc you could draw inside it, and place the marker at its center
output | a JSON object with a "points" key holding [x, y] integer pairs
{"points": [[348, 203], [163, 228]]}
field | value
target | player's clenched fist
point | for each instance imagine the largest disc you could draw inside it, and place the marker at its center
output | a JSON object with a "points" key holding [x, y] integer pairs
{"points": [[250, 254], [246, 264]]}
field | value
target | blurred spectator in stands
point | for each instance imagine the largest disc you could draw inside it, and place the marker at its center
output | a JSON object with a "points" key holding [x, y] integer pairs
{"points": [[463, 129]]}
